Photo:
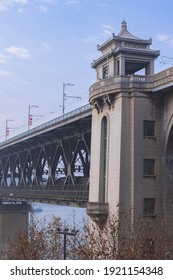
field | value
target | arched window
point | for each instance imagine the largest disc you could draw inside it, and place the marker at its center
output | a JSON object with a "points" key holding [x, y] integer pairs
{"points": [[103, 160]]}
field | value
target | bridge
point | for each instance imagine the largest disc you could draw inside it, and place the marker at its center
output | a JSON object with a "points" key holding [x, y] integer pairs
{"points": [[49, 163], [130, 161]]}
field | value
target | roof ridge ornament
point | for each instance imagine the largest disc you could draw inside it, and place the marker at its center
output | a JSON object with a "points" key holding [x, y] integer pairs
{"points": [[124, 33], [124, 25]]}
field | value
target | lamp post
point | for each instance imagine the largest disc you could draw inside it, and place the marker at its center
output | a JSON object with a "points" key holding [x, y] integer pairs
{"points": [[29, 115], [66, 232], [65, 96], [7, 128]]}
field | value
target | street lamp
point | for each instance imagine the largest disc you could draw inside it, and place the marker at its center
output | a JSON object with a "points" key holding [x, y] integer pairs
{"points": [[66, 232], [7, 128], [29, 115], [65, 95]]}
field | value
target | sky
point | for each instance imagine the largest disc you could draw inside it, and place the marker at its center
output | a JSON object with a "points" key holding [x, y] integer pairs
{"points": [[45, 43]]}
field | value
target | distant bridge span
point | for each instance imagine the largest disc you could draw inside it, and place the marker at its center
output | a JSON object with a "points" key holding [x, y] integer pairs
{"points": [[49, 163]]}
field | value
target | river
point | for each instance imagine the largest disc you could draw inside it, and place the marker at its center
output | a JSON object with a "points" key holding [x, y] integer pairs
{"points": [[69, 215], [15, 219]]}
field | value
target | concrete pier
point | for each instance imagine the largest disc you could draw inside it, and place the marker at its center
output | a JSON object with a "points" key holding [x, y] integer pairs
{"points": [[14, 217]]}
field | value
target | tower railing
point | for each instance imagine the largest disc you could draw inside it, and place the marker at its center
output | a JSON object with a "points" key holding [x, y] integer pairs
{"points": [[148, 82]]}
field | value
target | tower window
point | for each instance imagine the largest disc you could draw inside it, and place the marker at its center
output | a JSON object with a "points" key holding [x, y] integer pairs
{"points": [[149, 167], [118, 67], [149, 206], [149, 128], [105, 71], [103, 160]]}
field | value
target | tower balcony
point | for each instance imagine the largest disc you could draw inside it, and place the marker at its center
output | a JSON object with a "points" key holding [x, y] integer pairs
{"points": [[131, 83], [98, 212], [118, 84]]}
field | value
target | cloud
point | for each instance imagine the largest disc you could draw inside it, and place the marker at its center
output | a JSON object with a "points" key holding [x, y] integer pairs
{"points": [[46, 46], [165, 38], [90, 57], [42, 8], [72, 2], [107, 29], [107, 32], [45, 1], [21, 82], [42, 4], [162, 37], [107, 26], [21, 1], [3, 58], [90, 39], [5, 4], [102, 4], [20, 53], [20, 10], [5, 73]]}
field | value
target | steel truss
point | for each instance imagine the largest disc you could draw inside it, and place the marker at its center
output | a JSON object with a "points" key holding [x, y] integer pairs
{"points": [[61, 164]]}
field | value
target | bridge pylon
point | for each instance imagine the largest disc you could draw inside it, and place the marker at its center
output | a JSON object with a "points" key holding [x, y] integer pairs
{"points": [[124, 116]]}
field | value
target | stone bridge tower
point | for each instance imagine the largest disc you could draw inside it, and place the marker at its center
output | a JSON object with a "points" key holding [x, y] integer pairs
{"points": [[123, 151]]}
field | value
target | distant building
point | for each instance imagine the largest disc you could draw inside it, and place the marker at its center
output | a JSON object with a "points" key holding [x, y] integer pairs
{"points": [[132, 134]]}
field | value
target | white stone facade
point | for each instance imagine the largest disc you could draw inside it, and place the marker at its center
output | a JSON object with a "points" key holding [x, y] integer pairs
{"points": [[138, 174]]}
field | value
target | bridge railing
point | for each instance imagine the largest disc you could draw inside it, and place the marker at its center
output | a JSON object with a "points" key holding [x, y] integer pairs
{"points": [[30, 194], [48, 124]]}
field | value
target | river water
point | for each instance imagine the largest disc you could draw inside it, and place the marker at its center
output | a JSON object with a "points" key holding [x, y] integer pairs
{"points": [[69, 215], [15, 220]]}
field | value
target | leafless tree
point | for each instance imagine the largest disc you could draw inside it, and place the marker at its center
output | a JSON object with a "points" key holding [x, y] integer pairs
{"points": [[147, 238]]}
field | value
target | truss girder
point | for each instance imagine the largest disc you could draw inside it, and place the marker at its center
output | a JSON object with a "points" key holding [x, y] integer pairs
{"points": [[61, 164]]}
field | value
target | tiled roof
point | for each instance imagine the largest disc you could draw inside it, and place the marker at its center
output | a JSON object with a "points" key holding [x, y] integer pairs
{"points": [[124, 33]]}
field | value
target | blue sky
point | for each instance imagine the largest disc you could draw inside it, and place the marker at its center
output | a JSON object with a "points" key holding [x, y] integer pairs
{"points": [[44, 43]]}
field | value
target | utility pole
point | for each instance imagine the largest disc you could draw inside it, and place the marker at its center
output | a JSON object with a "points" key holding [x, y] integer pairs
{"points": [[66, 232], [29, 115], [65, 96], [7, 128]]}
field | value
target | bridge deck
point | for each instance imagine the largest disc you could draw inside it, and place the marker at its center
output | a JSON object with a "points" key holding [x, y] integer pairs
{"points": [[76, 119], [60, 197]]}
